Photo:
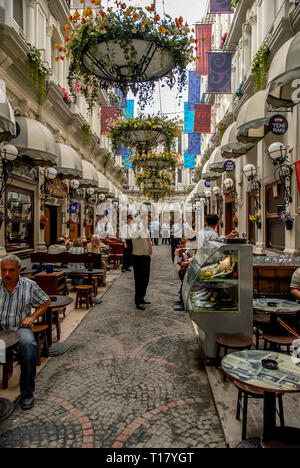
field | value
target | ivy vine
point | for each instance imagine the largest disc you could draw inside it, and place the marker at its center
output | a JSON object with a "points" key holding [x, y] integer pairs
{"points": [[38, 72], [260, 67]]}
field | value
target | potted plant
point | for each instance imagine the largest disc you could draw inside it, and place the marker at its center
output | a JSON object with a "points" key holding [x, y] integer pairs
{"points": [[127, 46], [256, 219], [287, 219], [67, 99], [43, 221]]}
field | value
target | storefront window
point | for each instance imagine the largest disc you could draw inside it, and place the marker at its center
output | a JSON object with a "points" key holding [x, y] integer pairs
{"points": [[19, 219], [275, 228]]}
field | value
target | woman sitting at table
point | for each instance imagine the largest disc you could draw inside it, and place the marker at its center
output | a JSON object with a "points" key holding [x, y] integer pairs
{"points": [[96, 246], [77, 249]]}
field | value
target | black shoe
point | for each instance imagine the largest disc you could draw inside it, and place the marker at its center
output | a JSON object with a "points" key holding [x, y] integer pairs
{"points": [[129, 269], [146, 302], [27, 403], [140, 307], [178, 303], [179, 307], [123, 271]]}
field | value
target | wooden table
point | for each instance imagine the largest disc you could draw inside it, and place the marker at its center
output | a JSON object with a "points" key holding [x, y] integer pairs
{"points": [[245, 367], [51, 283], [281, 308], [8, 339]]}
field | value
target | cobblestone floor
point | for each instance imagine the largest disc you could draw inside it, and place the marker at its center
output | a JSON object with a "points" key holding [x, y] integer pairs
{"points": [[131, 378]]}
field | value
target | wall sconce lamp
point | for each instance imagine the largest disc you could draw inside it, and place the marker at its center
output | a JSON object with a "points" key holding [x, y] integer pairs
{"points": [[49, 174], [278, 153], [250, 172], [8, 154]]}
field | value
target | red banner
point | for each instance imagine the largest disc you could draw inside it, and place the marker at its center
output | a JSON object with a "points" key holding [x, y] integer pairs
{"points": [[108, 114], [297, 168], [203, 45], [202, 118]]}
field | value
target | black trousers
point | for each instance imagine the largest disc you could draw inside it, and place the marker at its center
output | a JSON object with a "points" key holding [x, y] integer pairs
{"points": [[141, 268], [174, 242], [127, 255]]}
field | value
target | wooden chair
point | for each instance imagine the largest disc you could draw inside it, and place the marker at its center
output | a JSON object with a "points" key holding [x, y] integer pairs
{"points": [[56, 319], [12, 356], [236, 341], [84, 293], [95, 280], [244, 393], [260, 323], [40, 334], [117, 253], [276, 342]]}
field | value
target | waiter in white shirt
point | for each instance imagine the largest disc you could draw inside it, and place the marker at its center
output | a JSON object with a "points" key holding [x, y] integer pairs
{"points": [[142, 251], [104, 228], [176, 237]]}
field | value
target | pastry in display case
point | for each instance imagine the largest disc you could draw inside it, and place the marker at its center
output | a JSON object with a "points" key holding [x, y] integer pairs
{"points": [[218, 292]]}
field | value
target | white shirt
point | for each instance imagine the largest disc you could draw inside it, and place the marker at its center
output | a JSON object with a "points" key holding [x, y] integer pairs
{"points": [[208, 238], [166, 230], [177, 230], [104, 229]]}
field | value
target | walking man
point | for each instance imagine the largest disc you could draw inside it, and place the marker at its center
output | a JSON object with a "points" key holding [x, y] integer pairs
{"points": [[17, 297], [142, 251], [127, 245]]}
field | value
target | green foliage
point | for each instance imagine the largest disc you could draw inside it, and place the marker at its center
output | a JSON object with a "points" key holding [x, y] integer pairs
{"points": [[234, 3], [38, 72], [260, 67], [86, 134]]}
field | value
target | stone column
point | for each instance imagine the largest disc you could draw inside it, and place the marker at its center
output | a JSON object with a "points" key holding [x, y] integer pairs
{"points": [[48, 44], [260, 242], [30, 25], [40, 244]]}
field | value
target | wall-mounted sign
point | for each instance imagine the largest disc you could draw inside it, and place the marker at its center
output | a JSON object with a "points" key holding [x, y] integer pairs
{"points": [[229, 166], [207, 183], [73, 208], [278, 124]]}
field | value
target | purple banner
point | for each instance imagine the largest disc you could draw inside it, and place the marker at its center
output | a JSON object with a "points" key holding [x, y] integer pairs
{"points": [[221, 6], [219, 73], [194, 90], [194, 146]]}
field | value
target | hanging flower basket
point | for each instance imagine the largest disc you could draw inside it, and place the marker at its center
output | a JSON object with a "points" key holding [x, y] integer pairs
{"points": [[144, 132], [128, 47], [163, 160], [287, 219], [154, 178]]}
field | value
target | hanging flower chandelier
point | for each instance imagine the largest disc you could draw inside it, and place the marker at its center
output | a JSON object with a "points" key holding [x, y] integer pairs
{"points": [[163, 160], [144, 132], [128, 47], [154, 178]]}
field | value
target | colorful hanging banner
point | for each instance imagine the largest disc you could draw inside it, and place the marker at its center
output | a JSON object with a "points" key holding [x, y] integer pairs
{"points": [[189, 119], [221, 7], [122, 97], [122, 151], [129, 111], [126, 163], [108, 114], [194, 90], [189, 161], [202, 118], [219, 73], [194, 146], [297, 169], [203, 45]]}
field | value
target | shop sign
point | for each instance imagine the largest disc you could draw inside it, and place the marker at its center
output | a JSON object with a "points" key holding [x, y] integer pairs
{"points": [[25, 172], [229, 166], [73, 208], [207, 183], [278, 125], [57, 188]]}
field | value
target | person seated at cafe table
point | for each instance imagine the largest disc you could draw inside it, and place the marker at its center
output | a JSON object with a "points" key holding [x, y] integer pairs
{"points": [[57, 248], [18, 295], [68, 243], [295, 284], [96, 246], [76, 249]]}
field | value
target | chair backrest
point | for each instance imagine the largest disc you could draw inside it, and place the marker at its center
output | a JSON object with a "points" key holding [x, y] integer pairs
{"points": [[117, 248], [89, 258]]}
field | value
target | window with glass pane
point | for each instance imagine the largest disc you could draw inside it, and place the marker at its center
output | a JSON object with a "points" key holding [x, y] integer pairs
{"points": [[18, 12], [19, 219], [275, 229]]}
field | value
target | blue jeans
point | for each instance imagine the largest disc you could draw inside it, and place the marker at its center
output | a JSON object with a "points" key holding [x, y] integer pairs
{"points": [[27, 348]]}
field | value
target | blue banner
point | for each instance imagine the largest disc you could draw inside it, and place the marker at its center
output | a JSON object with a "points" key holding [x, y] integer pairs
{"points": [[122, 151], [126, 163], [123, 101], [194, 90], [129, 111], [189, 161], [194, 146], [189, 119]]}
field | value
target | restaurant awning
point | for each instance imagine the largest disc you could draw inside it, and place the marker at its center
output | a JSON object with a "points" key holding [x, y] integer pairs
{"points": [[230, 146], [7, 116], [284, 69], [112, 190], [207, 174], [216, 162], [200, 189], [252, 120], [103, 186], [69, 163], [35, 141], [89, 175]]}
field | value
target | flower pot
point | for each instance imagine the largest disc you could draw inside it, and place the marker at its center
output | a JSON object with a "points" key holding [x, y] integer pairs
{"points": [[258, 225], [289, 225], [42, 226]]}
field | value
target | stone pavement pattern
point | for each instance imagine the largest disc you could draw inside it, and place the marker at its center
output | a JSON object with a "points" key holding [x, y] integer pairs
{"points": [[131, 379]]}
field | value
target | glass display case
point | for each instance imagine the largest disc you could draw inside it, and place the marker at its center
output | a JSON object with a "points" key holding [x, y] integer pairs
{"points": [[218, 292]]}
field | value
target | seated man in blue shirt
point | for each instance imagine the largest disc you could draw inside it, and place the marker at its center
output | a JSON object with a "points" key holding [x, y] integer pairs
{"points": [[17, 297]]}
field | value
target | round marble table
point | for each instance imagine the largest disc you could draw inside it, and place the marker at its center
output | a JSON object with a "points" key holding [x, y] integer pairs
{"points": [[275, 307]]}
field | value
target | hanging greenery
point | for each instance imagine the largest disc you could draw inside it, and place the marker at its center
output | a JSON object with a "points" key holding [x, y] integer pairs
{"points": [[163, 160], [38, 72], [260, 67], [121, 26], [125, 132], [154, 177], [86, 134]]}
